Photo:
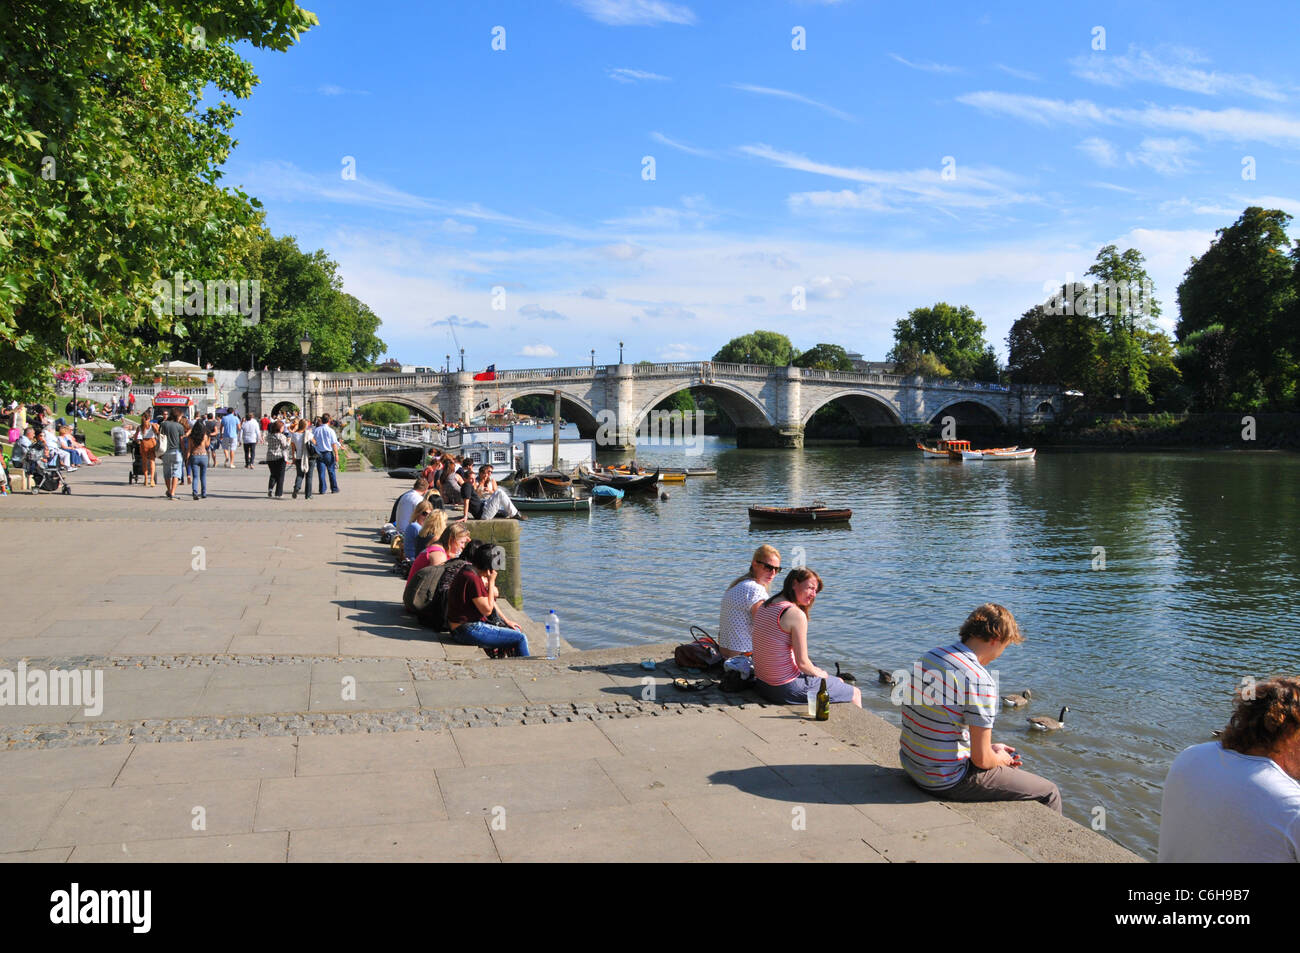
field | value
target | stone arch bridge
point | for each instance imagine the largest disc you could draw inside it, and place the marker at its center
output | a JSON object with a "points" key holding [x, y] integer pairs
{"points": [[770, 406]]}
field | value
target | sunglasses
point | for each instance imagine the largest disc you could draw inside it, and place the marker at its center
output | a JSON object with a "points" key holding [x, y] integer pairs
{"points": [[767, 566]]}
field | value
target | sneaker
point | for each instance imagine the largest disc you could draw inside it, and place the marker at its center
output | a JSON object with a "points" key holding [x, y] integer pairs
{"points": [[295, 494], [268, 494], [196, 496]]}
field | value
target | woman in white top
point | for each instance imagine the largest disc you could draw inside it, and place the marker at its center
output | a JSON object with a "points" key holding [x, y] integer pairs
{"points": [[736, 627]]}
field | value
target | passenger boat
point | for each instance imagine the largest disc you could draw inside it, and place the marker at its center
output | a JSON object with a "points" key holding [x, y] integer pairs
{"points": [[799, 514], [944, 449]]}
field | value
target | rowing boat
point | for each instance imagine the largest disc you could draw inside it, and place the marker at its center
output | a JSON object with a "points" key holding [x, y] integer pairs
{"points": [[799, 514], [628, 484], [553, 504], [1012, 453]]}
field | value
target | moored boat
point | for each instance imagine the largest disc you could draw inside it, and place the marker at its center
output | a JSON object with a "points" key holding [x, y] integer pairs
{"points": [[553, 504], [603, 495], [799, 514], [1013, 453], [628, 484]]}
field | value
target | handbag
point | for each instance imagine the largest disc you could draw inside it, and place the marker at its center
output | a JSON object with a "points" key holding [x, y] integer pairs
{"points": [[702, 652], [162, 442]]}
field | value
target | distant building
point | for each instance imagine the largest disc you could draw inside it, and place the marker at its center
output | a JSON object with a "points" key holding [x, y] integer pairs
{"points": [[870, 367]]}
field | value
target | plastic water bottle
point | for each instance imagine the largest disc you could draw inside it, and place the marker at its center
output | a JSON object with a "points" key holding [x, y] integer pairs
{"points": [[553, 635]]}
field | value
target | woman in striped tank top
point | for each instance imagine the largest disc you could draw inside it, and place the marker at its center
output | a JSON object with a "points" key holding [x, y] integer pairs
{"points": [[783, 672]]}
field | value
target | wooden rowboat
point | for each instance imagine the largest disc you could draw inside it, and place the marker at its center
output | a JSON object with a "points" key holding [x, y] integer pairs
{"points": [[799, 514], [628, 484], [557, 504], [603, 495], [1013, 453]]}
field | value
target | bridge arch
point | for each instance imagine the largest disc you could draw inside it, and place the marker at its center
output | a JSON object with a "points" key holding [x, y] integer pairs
{"points": [[868, 409], [574, 406], [742, 407], [419, 407], [970, 410]]}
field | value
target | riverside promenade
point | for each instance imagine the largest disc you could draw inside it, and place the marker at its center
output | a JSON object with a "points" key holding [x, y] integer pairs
{"points": [[265, 699]]}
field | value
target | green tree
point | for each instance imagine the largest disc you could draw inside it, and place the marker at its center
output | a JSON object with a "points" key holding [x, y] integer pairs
{"points": [[909, 361], [829, 357], [1124, 301], [109, 165], [384, 413], [953, 335], [758, 347], [1054, 343], [1238, 302]]}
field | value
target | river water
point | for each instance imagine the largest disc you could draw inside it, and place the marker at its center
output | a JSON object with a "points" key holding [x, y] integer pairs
{"points": [[1199, 587]]}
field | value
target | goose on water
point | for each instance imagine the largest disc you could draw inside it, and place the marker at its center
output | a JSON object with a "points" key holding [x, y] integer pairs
{"points": [[1043, 723], [1016, 701], [845, 676], [886, 677]]}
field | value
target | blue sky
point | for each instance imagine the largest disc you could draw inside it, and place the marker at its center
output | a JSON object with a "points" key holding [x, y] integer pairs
{"points": [[911, 153]]}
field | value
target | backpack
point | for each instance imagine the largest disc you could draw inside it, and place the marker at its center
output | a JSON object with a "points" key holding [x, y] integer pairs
{"points": [[701, 652], [435, 613], [418, 595]]}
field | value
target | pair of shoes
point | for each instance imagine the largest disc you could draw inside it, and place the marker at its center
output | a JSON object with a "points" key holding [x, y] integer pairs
{"points": [[268, 494], [295, 494]]}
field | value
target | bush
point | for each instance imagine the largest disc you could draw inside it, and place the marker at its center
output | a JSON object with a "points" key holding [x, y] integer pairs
{"points": [[384, 413]]}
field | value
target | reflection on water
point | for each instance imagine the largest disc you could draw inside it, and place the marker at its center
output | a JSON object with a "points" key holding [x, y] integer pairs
{"points": [[1199, 587]]}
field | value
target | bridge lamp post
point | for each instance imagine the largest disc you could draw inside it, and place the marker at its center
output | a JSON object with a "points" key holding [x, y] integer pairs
{"points": [[620, 352], [462, 359], [305, 344], [446, 365], [593, 358]]}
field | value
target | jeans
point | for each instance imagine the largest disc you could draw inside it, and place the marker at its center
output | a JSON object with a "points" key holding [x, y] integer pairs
{"points": [[199, 474], [498, 503], [303, 473], [250, 452], [275, 482], [325, 463], [491, 637], [173, 465]]}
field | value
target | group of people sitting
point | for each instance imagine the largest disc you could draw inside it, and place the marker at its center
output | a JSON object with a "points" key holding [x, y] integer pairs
{"points": [[451, 581], [454, 482], [946, 748], [50, 445]]}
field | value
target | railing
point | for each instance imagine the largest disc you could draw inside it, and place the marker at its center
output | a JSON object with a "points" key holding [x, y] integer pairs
{"points": [[548, 373]]}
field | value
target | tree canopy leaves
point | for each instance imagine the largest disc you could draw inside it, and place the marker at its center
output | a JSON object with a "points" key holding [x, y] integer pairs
{"points": [[953, 335]]}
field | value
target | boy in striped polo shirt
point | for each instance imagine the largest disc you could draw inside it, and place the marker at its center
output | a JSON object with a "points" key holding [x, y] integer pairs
{"points": [[948, 706]]}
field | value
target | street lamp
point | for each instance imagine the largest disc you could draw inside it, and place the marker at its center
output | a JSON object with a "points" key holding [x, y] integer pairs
{"points": [[305, 344], [593, 358], [447, 364], [620, 352], [462, 359]]}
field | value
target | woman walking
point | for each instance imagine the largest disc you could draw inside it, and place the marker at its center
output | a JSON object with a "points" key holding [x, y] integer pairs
{"points": [[147, 436], [300, 442], [199, 442], [277, 453]]}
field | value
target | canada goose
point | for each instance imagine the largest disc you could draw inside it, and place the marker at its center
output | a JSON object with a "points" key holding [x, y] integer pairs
{"points": [[1016, 701], [1042, 723], [844, 676], [886, 677]]}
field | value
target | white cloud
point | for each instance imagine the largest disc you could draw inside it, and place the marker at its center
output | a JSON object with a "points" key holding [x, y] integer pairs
{"points": [[1114, 188], [1099, 151], [679, 352], [453, 227], [1176, 67], [622, 251], [1018, 73], [329, 89], [636, 12], [681, 146], [1165, 156], [540, 313], [888, 190], [538, 350], [1239, 125], [925, 66], [793, 97], [595, 292], [633, 75], [829, 287], [669, 311]]}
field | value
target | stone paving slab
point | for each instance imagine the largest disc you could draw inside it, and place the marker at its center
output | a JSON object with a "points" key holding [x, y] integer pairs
{"points": [[263, 848], [253, 758], [456, 841], [392, 797], [366, 754]]}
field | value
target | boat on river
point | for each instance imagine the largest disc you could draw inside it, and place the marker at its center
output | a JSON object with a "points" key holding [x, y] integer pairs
{"points": [[799, 514], [553, 504], [646, 483], [606, 495], [1009, 453]]}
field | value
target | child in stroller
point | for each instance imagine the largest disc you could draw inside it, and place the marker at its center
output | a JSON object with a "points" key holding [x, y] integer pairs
{"points": [[137, 463], [42, 468]]}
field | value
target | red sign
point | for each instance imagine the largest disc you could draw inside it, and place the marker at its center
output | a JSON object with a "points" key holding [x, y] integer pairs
{"points": [[169, 399]]}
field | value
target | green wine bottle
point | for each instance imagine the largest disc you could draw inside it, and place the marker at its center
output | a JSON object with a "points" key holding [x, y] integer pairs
{"points": [[823, 703]]}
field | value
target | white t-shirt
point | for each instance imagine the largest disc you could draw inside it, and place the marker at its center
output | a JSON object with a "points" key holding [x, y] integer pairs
{"points": [[736, 627], [1222, 806], [406, 505], [250, 431]]}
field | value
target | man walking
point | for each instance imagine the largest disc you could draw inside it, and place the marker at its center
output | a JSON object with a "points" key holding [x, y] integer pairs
{"points": [[251, 434], [229, 434], [212, 428], [327, 444], [173, 459]]}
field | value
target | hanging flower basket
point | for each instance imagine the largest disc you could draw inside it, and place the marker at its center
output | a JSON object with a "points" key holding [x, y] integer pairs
{"points": [[66, 378], [124, 380]]}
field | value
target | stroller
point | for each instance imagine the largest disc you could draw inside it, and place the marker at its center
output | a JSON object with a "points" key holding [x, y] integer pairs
{"points": [[45, 477], [137, 464]]}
